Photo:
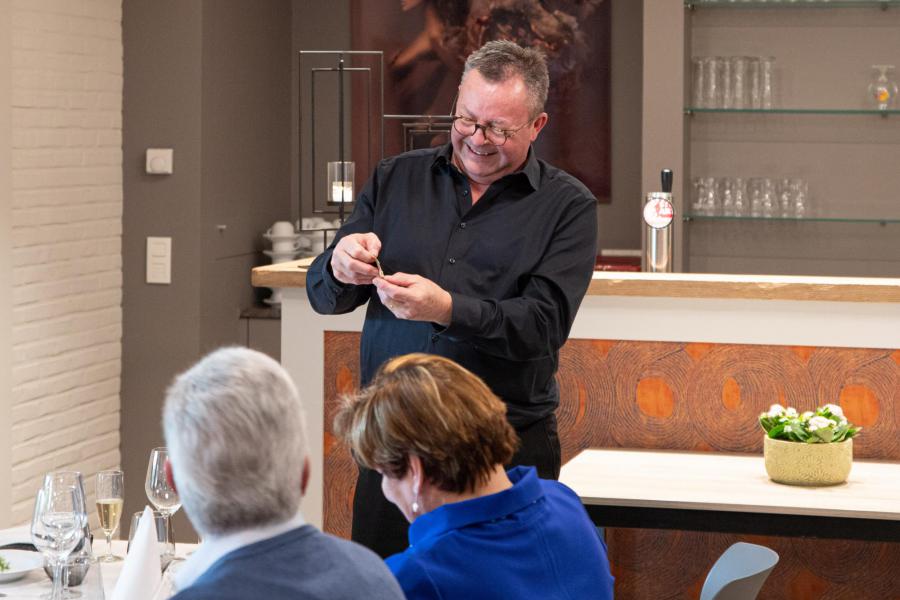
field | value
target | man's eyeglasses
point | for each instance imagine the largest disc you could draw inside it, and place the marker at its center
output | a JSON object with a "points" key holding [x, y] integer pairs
{"points": [[495, 135]]}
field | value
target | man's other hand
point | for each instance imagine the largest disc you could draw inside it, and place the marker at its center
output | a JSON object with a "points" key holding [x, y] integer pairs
{"points": [[415, 298], [353, 258]]}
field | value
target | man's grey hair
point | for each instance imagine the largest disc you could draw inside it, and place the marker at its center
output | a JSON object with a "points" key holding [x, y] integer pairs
{"points": [[235, 430], [499, 60]]}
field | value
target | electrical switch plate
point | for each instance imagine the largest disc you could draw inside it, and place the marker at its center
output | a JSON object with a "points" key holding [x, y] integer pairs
{"points": [[159, 260], [159, 161]]}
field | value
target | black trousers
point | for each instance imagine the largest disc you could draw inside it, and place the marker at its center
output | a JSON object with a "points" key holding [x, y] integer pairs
{"points": [[380, 526]]}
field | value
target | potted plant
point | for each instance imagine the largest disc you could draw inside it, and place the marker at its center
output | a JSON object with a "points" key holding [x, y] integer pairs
{"points": [[810, 448]]}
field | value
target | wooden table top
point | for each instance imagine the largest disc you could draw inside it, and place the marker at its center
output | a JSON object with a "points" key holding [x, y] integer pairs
{"points": [[726, 482]]}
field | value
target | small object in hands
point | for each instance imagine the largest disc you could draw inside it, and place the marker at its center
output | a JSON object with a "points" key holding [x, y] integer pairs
{"points": [[380, 270]]}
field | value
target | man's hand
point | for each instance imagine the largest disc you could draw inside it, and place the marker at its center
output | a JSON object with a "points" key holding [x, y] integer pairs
{"points": [[415, 298], [353, 258]]}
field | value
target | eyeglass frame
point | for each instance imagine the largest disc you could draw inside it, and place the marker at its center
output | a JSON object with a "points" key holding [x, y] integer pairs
{"points": [[506, 133]]}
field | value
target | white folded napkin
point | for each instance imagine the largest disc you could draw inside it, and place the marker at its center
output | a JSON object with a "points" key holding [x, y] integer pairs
{"points": [[141, 570]]}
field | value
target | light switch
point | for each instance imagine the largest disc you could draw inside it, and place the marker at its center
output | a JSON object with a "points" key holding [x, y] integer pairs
{"points": [[159, 161], [159, 260]]}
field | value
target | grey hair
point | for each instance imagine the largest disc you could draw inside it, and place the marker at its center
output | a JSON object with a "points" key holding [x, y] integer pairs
{"points": [[235, 430], [499, 60]]}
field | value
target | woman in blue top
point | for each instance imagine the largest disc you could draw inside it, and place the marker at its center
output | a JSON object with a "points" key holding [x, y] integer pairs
{"points": [[440, 438]]}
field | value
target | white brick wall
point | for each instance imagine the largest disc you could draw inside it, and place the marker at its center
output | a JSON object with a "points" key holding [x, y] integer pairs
{"points": [[66, 240]]}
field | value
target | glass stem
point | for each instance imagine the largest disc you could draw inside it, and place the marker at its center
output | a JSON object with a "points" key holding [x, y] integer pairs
{"points": [[56, 593], [108, 544]]}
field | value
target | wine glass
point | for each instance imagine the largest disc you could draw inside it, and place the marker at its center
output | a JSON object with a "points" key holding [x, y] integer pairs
{"points": [[162, 495], [110, 498], [76, 565], [57, 526]]}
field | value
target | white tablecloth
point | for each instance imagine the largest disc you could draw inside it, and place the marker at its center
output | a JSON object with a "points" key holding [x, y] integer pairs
{"points": [[36, 583]]}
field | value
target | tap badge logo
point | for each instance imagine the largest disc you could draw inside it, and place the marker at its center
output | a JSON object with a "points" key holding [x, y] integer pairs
{"points": [[658, 212]]}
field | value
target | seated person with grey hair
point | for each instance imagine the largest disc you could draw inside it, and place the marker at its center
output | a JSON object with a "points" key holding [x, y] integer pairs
{"points": [[235, 431]]}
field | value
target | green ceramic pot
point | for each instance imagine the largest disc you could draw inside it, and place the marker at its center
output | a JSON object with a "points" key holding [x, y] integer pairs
{"points": [[796, 463]]}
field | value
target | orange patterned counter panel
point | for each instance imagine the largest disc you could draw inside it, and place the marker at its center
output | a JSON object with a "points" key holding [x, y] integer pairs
{"points": [[666, 395]]}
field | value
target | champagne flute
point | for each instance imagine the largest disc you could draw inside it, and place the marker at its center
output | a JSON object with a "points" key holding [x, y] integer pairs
{"points": [[110, 498], [159, 492], [57, 526]]}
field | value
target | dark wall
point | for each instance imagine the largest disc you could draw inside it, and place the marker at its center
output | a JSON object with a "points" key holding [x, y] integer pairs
{"points": [[209, 78]]}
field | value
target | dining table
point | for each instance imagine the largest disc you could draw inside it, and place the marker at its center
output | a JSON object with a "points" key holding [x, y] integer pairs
{"points": [[36, 584], [731, 493]]}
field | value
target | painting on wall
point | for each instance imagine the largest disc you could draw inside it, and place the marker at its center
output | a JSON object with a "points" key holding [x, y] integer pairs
{"points": [[425, 43]]}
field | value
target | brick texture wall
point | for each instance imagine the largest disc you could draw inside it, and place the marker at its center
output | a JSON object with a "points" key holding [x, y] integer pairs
{"points": [[66, 237]]}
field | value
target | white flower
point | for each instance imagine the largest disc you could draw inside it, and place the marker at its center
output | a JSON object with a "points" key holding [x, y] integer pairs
{"points": [[788, 429], [790, 412], [835, 410], [820, 423], [776, 410], [805, 416]]}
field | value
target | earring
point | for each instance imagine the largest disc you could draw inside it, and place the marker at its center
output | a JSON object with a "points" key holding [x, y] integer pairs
{"points": [[415, 506]]}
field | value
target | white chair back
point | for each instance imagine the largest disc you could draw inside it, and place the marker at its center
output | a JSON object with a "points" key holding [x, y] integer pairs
{"points": [[739, 573]]}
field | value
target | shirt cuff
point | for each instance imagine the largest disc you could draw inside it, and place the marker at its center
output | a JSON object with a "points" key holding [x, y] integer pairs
{"points": [[465, 316]]}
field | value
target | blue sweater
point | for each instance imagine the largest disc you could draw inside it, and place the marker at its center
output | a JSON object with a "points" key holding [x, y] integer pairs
{"points": [[534, 540], [301, 564]]}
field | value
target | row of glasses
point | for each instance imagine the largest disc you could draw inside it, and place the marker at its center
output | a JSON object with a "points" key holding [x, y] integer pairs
{"points": [[60, 529], [733, 82], [754, 196]]}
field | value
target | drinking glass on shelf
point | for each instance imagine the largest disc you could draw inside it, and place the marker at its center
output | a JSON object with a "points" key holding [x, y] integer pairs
{"points": [[762, 196], [739, 81], [698, 84], [754, 92], [883, 89], [711, 93], [161, 495], [785, 198], [767, 81], [800, 197], [163, 535], [733, 192], [110, 498], [726, 91], [57, 527]]}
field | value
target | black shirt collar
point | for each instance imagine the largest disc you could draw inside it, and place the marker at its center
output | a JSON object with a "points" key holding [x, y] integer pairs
{"points": [[531, 170]]}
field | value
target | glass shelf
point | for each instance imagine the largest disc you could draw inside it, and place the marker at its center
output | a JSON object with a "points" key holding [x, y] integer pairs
{"points": [[813, 219], [690, 110], [883, 4]]}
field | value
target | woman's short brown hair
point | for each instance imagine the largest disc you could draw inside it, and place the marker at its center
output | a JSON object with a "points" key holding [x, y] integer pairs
{"points": [[433, 408]]}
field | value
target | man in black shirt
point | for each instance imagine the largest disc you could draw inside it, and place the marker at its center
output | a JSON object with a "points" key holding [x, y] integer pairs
{"points": [[486, 253]]}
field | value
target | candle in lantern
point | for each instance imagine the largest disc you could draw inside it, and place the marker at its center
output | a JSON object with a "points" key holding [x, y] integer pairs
{"points": [[340, 182], [341, 191]]}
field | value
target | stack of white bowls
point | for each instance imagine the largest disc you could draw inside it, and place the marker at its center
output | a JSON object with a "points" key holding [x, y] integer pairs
{"points": [[318, 233], [286, 244]]}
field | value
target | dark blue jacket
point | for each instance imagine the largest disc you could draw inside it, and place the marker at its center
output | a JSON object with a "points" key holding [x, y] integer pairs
{"points": [[302, 564]]}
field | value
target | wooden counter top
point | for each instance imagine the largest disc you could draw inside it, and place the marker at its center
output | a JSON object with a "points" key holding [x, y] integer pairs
{"points": [[677, 285]]}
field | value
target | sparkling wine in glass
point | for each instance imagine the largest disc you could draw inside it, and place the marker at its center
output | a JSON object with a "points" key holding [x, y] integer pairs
{"points": [[110, 499], [159, 492]]}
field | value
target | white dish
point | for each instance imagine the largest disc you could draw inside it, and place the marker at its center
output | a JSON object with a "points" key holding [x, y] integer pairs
{"points": [[20, 563], [281, 256], [281, 238], [271, 302]]}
